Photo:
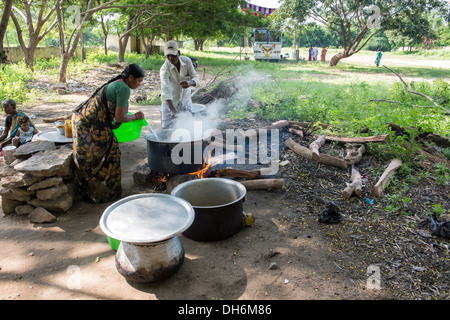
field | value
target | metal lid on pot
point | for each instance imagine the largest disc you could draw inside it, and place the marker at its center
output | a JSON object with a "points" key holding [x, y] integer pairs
{"points": [[147, 218]]}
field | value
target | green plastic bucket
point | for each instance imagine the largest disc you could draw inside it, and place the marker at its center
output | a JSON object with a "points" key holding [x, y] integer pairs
{"points": [[130, 131], [113, 243]]}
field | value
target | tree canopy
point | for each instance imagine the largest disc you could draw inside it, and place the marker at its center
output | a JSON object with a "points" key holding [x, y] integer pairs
{"points": [[357, 21]]}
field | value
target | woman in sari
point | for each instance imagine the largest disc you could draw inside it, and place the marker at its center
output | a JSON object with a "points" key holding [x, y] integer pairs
{"points": [[378, 59], [11, 122], [96, 150]]}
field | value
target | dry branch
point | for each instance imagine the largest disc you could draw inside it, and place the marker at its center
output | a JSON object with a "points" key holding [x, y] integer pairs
{"points": [[230, 172], [355, 187], [224, 146], [378, 189], [51, 120], [297, 132], [333, 161], [306, 153], [299, 149], [315, 146], [276, 125], [381, 138], [263, 184], [415, 92], [308, 124]]}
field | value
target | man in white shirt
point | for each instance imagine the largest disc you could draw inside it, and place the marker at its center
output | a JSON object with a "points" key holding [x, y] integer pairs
{"points": [[177, 76], [315, 53]]}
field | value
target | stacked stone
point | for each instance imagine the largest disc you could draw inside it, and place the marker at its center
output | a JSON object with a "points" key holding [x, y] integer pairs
{"points": [[39, 183]]}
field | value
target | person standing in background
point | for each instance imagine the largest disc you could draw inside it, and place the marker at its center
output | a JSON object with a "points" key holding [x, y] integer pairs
{"points": [[378, 59], [324, 54], [177, 76]]}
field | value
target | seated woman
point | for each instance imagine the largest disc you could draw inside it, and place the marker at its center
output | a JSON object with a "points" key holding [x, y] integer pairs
{"points": [[96, 150], [11, 122]]}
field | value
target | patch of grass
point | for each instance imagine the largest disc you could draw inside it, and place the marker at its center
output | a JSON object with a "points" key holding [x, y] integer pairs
{"points": [[15, 82]]}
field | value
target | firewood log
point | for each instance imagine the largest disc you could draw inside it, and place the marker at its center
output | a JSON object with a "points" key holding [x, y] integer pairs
{"points": [[355, 187], [306, 153], [378, 189], [297, 132], [51, 120], [381, 138], [354, 153], [315, 146], [230, 172], [308, 124], [299, 149], [227, 147], [263, 184], [333, 161], [276, 125]]}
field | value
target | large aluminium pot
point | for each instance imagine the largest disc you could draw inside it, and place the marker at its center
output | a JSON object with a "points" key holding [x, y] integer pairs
{"points": [[147, 226], [218, 206], [167, 156]]}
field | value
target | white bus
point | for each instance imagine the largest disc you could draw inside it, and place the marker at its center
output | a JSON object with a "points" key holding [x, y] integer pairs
{"points": [[267, 44]]}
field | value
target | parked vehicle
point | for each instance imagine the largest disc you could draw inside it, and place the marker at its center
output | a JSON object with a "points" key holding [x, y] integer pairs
{"points": [[267, 44]]}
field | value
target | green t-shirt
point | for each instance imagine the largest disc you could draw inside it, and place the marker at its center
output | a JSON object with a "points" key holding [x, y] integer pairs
{"points": [[118, 93]]}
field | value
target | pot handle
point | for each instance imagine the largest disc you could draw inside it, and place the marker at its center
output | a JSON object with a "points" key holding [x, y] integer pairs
{"points": [[169, 152]]}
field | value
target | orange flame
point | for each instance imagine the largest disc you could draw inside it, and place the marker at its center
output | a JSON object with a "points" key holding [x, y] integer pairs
{"points": [[201, 173]]}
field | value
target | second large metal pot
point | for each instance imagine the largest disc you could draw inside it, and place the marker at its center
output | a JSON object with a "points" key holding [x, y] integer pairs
{"points": [[169, 156], [218, 206]]}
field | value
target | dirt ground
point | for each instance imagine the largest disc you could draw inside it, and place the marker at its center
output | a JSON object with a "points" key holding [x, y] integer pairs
{"points": [[70, 259]]}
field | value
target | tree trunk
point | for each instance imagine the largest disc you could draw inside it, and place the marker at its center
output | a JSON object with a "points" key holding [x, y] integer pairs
{"points": [[29, 56], [105, 36], [63, 68], [123, 41], [335, 59], [198, 44], [83, 51], [4, 22], [105, 44]]}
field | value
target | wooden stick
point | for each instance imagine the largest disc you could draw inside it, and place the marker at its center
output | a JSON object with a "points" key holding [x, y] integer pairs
{"points": [[378, 189], [315, 146], [306, 153], [228, 147], [308, 124], [276, 125], [381, 138], [415, 92], [333, 161], [299, 149], [230, 172], [51, 120], [355, 187], [297, 132], [263, 184]]}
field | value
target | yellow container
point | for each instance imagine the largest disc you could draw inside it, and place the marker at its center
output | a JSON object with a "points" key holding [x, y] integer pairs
{"points": [[68, 128]]}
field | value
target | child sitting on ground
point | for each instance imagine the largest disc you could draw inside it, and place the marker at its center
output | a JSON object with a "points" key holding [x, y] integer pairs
{"points": [[25, 132]]}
